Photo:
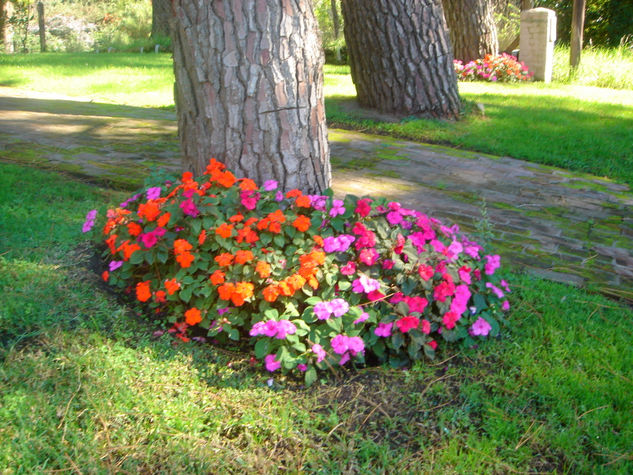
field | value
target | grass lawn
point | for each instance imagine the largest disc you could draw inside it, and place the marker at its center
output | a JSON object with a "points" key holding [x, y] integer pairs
{"points": [[584, 128], [86, 386]]}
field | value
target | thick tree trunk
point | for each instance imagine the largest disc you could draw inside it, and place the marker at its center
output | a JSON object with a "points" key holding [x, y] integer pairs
{"points": [[472, 28], [577, 27], [161, 11], [249, 89], [400, 56], [42, 26]]}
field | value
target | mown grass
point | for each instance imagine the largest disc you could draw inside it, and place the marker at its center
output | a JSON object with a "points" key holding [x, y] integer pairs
{"points": [[570, 125], [86, 387]]}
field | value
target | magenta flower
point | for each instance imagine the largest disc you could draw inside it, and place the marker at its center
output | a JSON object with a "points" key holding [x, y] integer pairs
{"points": [[505, 305], [284, 328], [339, 307], [322, 310], [426, 327], [363, 207], [464, 274], [114, 265], [337, 208], [344, 359], [302, 367], [271, 363], [492, 264], [496, 290], [339, 344], [89, 223], [153, 193], [407, 323], [249, 199], [270, 185], [319, 352], [189, 208], [417, 304], [355, 344], [365, 284], [480, 328], [149, 239], [368, 256], [363, 317], [383, 330], [394, 218]]}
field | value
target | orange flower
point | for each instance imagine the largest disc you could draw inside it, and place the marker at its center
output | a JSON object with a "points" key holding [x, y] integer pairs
{"points": [[243, 290], [247, 184], [164, 220], [213, 166], [149, 210], [302, 223], [242, 257], [270, 293], [185, 259], [275, 228], [293, 193], [302, 201], [278, 216], [111, 242], [263, 269], [192, 316], [247, 235], [224, 230], [187, 177], [172, 285], [225, 259], [226, 290], [236, 218], [296, 281], [313, 282], [143, 292], [134, 229], [159, 296], [182, 246], [217, 277], [129, 249], [318, 240], [226, 179], [285, 289], [105, 275], [250, 221], [202, 237]]}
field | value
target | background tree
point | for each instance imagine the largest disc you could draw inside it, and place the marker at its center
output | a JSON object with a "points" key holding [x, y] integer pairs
{"points": [[161, 11], [249, 90], [400, 56], [472, 28]]}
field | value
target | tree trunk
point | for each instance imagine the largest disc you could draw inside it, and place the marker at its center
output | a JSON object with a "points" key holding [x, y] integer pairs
{"points": [[249, 90], [577, 27], [336, 24], [400, 56], [42, 26], [161, 11], [472, 28]]}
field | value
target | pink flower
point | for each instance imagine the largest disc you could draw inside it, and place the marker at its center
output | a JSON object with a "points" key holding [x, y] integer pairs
{"points": [[363, 207], [349, 268], [432, 344], [480, 328], [394, 218], [302, 367], [387, 264], [450, 318], [417, 304], [407, 323], [363, 317], [344, 359], [90, 221], [426, 327], [355, 344], [319, 352], [368, 256], [505, 285], [339, 307], [495, 290], [149, 239], [460, 300], [322, 310], [383, 330], [464, 274], [445, 289], [249, 199], [438, 246], [492, 264], [284, 328], [426, 272], [505, 305], [375, 295], [271, 363]]}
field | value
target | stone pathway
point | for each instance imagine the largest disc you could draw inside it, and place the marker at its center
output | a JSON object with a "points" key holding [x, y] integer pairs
{"points": [[558, 224]]}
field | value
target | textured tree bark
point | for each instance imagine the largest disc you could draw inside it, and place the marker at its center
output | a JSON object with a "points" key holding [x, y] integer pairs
{"points": [[249, 89], [472, 28], [161, 11], [577, 27], [3, 26], [42, 26], [400, 56]]}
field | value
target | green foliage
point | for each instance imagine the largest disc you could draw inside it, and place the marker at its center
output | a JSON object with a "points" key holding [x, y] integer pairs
{"points": [[607, 22]]}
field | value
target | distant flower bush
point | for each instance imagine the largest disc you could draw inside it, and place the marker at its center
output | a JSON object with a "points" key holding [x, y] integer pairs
{"points": [[501, 68], [309, 281]]}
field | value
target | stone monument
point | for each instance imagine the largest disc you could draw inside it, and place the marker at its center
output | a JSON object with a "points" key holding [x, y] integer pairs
{"points": [[536, 45]]}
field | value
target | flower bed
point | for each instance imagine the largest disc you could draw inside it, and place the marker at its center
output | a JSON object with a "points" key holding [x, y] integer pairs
{"points": [[310, 281], [502, 68]]}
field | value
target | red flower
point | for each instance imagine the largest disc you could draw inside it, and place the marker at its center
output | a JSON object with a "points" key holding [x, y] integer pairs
{"points": [[408, 323]]}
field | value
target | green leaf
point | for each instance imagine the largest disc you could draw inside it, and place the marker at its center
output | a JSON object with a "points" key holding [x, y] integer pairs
{"points": [[313, 300], [261, 348], [265, 238], [196, 226], [480, 302], [233, 333], [299, 346], [310, 376], [397, 340], [291, 310], [137, 257], [344, 284], [149, 258], [185, 293], [271, 313], [279, 241]]}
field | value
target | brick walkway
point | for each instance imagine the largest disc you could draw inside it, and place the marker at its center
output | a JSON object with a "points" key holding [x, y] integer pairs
{"points": [[558, 224]]}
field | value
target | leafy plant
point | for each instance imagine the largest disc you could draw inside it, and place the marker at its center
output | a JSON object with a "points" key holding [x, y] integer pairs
{"points": [[502, 68], [310, 281]]}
